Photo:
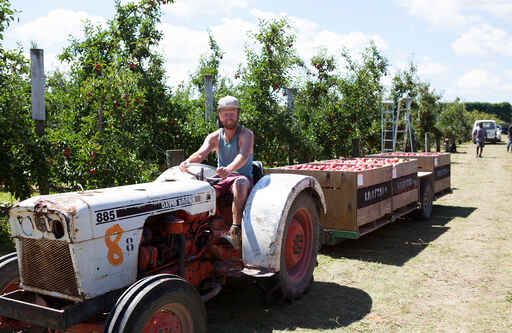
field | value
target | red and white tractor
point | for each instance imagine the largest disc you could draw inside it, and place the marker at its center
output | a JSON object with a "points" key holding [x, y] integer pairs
{"points": [[145, 257]]}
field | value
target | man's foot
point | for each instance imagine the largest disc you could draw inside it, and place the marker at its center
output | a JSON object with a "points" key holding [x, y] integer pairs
{"points": [[480, 155], [234, 236]]}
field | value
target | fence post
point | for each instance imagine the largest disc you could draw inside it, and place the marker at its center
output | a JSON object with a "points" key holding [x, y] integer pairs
{"points": [[356, 145], [208, 91], [174, 157], [38, 111], [290, 95]]}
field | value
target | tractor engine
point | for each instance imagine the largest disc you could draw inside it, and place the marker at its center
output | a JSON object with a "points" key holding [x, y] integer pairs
{"points": [[187, 245]]}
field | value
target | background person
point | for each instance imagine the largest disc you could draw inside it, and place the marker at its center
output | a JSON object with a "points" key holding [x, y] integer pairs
{"points": [[509, 138], [479, 136], [234, 146]]}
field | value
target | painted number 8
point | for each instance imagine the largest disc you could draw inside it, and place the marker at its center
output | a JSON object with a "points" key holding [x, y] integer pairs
{"points": [[115, 254]]}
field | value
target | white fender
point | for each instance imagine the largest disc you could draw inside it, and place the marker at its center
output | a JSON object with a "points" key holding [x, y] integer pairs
{"points": [[265, 216]]}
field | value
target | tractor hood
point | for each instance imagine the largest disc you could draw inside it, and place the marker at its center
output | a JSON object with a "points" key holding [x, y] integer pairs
{"points": [[80, 216]]}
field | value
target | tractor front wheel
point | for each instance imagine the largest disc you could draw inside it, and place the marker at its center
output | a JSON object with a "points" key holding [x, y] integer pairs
{"points": [[299, 247], [9, 277], [160, 303]]}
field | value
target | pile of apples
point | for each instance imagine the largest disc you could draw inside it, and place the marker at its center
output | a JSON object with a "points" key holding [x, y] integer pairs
{"points": [[349, 165], [409, 154]]}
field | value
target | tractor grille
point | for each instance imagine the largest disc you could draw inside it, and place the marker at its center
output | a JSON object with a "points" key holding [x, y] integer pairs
{"points": [[46, 264]]}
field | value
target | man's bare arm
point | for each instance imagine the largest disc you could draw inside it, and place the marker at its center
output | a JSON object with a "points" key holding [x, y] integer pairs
{"points": [[209, 144]]}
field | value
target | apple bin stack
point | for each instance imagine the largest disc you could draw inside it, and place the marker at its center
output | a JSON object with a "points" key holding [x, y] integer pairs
{"points": [[437, 163], [359, 191]]}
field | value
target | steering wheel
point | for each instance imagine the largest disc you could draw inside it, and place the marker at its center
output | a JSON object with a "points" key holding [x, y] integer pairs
{"points": [[203, 172]]}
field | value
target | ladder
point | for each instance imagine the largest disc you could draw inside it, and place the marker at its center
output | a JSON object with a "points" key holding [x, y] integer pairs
{"points": [[402, 126], [387, 126]]}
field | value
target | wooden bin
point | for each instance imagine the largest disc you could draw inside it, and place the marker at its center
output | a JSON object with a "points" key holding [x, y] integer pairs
{"points": [[437, 163], [353, 198], [405, 184]]}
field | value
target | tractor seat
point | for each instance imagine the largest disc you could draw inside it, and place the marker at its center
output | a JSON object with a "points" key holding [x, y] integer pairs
{"points": [[257, 171]]}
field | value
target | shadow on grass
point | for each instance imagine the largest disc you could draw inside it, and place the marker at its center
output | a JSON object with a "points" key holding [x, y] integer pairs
{"points": [[396, 243], [240, 308]]}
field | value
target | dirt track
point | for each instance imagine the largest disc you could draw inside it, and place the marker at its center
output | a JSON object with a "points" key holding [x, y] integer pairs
{"points": [[452, 273]]}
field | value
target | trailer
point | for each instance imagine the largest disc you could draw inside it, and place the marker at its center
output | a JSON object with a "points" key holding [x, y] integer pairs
{"points": [[364, 194]]}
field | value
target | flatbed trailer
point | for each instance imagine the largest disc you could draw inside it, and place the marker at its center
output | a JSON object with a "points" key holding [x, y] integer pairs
{"points": [[361, 201]]}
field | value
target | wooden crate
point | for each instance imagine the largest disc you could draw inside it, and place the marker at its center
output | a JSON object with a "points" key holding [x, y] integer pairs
{"points": [[405, 184], [438, 164], [353, 198]]}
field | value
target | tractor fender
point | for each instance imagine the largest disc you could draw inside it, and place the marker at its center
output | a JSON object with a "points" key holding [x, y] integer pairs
{"points": [[265, 215]]}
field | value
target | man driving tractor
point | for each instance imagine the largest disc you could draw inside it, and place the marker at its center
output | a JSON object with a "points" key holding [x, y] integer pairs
{"points": [[234, 147]]}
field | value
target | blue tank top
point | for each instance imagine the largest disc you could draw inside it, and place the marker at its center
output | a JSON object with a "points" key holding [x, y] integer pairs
{"points": [[227, 152]]}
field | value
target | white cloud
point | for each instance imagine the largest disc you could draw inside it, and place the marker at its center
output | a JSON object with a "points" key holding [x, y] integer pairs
{"points": [[456, 13], [188, 9], [311, 38], [52, 31], [482, 84], [484, 40], [440, 13], [184, 46], [429, 68]]}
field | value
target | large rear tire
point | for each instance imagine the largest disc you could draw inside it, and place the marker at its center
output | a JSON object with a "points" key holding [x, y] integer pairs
{"points": [[160, 303], [299, 247]]}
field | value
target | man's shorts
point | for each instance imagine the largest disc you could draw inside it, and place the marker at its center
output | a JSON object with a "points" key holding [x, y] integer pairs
{"points": [[480, 143], [225, 185]]}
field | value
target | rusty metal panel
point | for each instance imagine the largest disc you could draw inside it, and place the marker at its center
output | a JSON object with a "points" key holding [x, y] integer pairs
{"points": [[46, 264]]}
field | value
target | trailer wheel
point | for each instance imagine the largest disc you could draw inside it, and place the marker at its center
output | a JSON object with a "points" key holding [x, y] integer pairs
{"points": [[299, 247], [160, 303], [426, 197]]}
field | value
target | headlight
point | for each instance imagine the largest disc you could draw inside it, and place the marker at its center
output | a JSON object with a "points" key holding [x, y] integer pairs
{"points": [[26, 225], [57, 228]]}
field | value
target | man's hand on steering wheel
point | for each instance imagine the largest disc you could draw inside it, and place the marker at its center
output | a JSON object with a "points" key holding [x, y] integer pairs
{"points": [[223, 172], [183, 166]]}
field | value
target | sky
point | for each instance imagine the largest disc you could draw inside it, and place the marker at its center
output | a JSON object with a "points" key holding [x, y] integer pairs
{"points": [[463, 48]]}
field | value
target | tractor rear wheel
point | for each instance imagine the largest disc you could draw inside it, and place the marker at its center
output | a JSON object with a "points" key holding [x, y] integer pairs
{"points": [[159, 303], [299, 247]]}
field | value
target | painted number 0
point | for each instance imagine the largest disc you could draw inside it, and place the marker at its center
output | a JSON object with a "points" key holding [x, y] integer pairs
{"points": [[115, 254]]}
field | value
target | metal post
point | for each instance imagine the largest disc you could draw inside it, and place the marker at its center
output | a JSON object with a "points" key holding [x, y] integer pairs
{"points": [[208, 91], [356, 145], [37, 78], [427, 142], [290, 95], [174, 157], [38, 110]]}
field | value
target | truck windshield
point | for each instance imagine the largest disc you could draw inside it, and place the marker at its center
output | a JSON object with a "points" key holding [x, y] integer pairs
{"points": [[488, 125]]}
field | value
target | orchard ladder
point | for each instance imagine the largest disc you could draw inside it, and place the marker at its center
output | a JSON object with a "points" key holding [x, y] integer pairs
{"points": [[402, 127], [387, 121]]}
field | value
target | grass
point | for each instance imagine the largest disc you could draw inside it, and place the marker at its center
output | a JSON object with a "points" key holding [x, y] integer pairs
{"points": [[6, 244]]}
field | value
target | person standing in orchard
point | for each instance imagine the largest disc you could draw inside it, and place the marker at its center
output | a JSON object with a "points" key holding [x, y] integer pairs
{"points": [[479, 136], [234, 145], [509, 138]]}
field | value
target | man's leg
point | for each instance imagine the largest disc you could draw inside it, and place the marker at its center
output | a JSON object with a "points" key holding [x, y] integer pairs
{"points": [[240, 189]]}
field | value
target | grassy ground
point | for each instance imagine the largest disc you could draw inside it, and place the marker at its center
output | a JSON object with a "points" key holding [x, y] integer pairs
{"points": [[5, 242], [452, 273]]}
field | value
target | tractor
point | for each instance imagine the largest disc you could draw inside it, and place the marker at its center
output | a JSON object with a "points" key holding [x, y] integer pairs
{"points": [[146, 257]]}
